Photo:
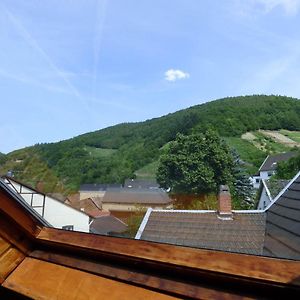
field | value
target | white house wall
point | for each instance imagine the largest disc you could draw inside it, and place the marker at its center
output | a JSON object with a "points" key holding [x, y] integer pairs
{"points": [[54, 212], [59, 214], [264, 200]]}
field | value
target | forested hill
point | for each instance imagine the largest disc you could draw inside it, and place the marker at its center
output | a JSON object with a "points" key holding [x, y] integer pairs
{"points": [[114, 153]]}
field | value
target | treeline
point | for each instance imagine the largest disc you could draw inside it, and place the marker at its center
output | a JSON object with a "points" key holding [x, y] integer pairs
{"points": [[138, 144]]}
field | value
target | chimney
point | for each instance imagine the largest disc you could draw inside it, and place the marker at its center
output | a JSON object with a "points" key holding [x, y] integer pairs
{"points": [[224, 203]]}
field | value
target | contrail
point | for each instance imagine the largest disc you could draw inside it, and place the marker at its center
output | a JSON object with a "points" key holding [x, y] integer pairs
{"points": [[33, 43], [99, 26]]}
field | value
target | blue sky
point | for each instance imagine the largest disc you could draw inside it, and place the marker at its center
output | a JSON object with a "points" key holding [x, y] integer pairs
{"points": [[70, 67]]}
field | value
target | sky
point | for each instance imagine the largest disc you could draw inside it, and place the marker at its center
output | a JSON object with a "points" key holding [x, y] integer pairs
{"points": [[70, 67]]}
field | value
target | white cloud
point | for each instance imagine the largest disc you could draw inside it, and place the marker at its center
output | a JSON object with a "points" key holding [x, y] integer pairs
{"points": [[250, 7], [173, 75], [291, 7]]}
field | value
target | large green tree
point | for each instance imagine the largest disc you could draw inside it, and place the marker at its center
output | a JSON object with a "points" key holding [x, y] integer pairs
{"points": [[196, 164]]}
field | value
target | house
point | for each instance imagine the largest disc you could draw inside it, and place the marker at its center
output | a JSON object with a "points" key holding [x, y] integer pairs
{"points": [[92, 206], [55, 212], [95, 189], [130, 199], [269, 189], [273, 231], [141, 184], [268, 167], [108, 225], [41, 262]]}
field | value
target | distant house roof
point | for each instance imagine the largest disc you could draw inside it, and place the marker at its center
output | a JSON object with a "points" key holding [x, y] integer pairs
{"points": [[274, 231], [39, 262], [91, 206], [270, 163], [136, 196], [141, 184], [244, 233], [107, 225], [97, 187], [283, 223]]}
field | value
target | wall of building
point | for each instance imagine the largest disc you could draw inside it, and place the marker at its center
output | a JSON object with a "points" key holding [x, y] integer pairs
{"points": [[264, 200], [53, 211], [60, 215], [89, 194], [131, 207]]}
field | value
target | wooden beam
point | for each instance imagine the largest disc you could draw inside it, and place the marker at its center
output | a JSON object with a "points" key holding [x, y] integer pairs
{"points": [[43, 280], [9, 260], [156, 282], [11, 208], [276, 271]]}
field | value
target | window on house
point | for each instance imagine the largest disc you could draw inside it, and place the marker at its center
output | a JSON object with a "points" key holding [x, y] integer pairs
{"points": [[68, 227]]}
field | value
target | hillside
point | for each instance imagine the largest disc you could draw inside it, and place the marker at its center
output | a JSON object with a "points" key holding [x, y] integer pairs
{"points": [[114, 153]]}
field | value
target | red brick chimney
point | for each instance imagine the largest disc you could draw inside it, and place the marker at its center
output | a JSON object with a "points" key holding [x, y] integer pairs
{"points": [[224, 203]]}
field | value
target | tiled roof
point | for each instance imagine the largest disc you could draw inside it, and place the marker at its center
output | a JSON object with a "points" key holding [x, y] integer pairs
{"points": [[274, 232], [107, 225], [96, 187], [244, 233], [141, 183], [283, 224], [270, 164], [136, 196]]}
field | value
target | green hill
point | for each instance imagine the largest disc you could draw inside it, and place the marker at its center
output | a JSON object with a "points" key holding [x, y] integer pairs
{"points": [[117, 152]]}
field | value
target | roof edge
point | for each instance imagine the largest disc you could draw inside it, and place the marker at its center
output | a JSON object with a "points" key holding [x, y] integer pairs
{"points": [[21, 202], [45, 195], [143, 224], [283, 191], [264, 162], [267, 189]]}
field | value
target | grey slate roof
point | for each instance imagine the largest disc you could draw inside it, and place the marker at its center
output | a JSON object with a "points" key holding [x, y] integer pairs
{"points": [[283, 224], [244, 233], [141, 184], [274, 232], [136, 196], [96, 187], [107, 225], [270, 164]]}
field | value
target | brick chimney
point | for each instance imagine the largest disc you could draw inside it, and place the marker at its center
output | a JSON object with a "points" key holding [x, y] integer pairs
{"points": [[224, 203]]}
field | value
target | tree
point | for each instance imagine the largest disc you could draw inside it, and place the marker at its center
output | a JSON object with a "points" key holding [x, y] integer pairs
{"points": [[242, 188], [195, 164], [288, 169]]}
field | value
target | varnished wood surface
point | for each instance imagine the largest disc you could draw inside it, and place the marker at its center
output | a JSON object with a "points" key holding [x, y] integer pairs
{"points": [[10, 257], [127, 269], [10, 232], [247, 266], [42, 280], [156, 281], [10, 207]]}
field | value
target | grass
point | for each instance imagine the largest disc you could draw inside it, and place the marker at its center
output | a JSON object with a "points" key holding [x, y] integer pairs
{"points": [[270, 144], [148, 171], [99, 152], [293, 135], [251, 155]]}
